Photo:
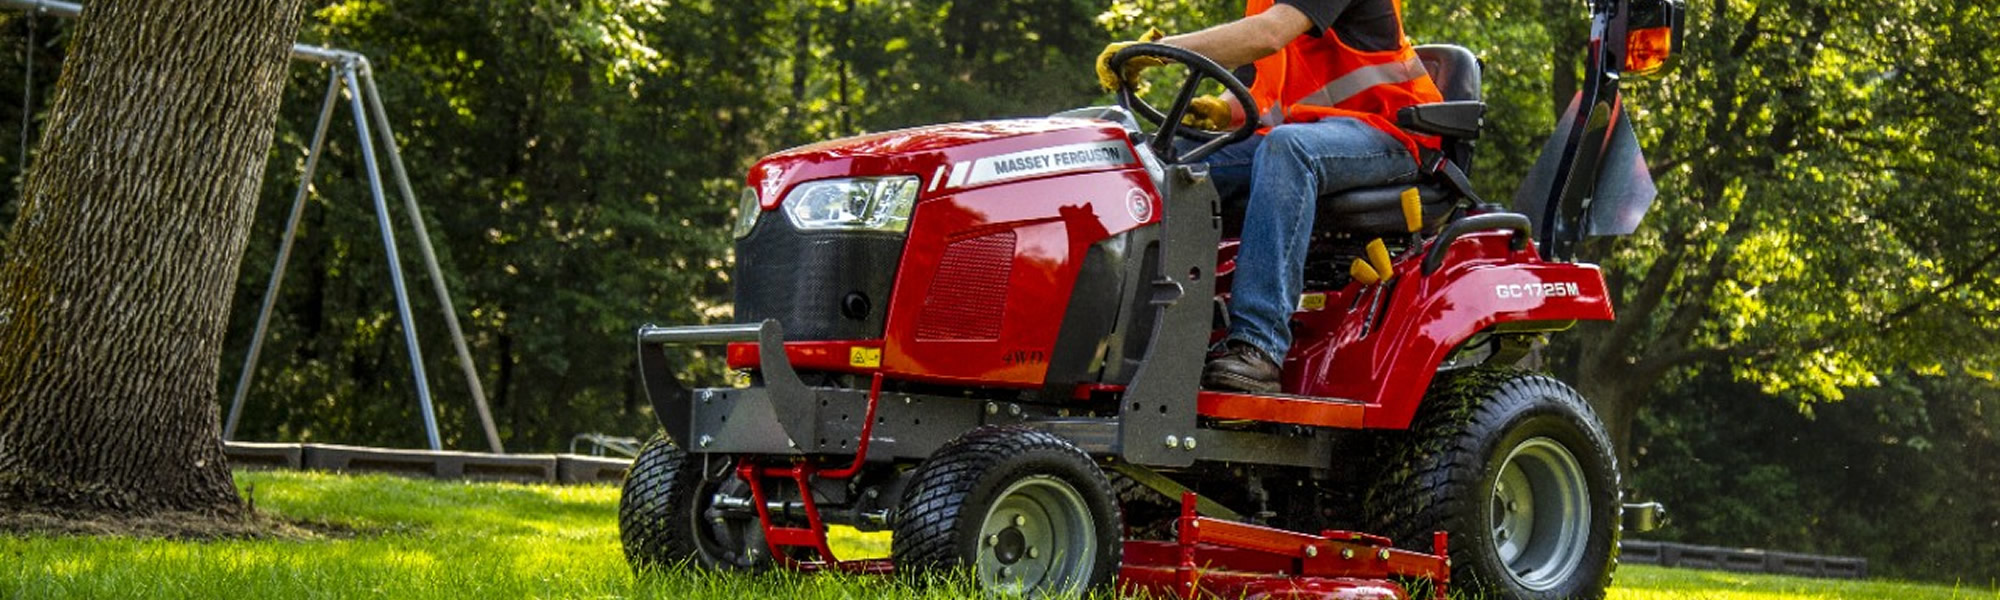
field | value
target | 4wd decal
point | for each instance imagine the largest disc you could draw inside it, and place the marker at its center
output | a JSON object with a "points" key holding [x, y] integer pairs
{"points": [[1024, 357]]}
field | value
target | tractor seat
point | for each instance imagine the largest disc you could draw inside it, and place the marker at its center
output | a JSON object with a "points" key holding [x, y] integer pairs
{"points": [[1378, 209]]}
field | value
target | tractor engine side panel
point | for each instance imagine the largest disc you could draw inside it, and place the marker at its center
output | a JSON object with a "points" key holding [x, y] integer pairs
{"points": [[987, 275]]}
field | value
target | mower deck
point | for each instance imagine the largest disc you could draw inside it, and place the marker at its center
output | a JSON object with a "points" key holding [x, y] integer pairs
{"points": [[1228, 559], [1211, 558]]}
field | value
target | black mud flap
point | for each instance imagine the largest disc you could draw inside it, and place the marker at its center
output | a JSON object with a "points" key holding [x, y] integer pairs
{"points": [[1622, 194]]}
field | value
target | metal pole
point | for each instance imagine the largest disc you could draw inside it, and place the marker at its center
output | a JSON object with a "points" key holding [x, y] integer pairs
{"points": [[284, 255], [395, 262], [430, 260]]}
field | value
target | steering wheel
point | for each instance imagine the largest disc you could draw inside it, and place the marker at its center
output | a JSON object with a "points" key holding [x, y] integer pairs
{"points": [[1199, 68]]}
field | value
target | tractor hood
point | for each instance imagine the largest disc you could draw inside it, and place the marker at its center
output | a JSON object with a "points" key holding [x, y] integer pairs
{"points": [[952, 157]]}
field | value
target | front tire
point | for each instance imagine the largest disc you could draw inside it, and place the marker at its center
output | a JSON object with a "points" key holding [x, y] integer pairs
{"points": [[665, 515], [1518, 469], [1023, 510]]}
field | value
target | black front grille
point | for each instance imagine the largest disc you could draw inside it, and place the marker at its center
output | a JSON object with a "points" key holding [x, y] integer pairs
{"points": [[822, 285]]}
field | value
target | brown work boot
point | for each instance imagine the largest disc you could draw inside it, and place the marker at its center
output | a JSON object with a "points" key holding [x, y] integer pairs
{"points": [[1241, 367]]}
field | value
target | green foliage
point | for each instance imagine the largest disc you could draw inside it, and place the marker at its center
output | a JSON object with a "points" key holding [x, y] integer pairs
{"points": [[1905, 474], [1824, 218], [45, 55], [580, 164]]}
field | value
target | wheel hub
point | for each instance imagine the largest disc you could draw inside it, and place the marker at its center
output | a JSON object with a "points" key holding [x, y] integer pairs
{"points": [[1540, 514], [1037, 538], [1011, 546]]}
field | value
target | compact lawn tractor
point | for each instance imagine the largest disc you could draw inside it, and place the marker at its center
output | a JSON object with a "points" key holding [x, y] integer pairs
{"points": [[987, 338]]}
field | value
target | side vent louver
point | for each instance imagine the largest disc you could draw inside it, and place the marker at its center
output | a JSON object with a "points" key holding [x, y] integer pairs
{"points": [[970, 290]]}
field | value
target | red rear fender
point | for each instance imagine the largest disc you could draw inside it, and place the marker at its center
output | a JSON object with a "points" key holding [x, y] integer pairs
{"points": [[1381, 344]]}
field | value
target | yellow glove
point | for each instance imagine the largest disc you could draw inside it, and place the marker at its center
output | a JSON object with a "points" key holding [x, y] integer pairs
{"points": [[1207, 112], [1132, 68]]}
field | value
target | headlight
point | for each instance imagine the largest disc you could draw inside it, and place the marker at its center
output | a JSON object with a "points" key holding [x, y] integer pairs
{"points": [[747, 210], [873, 203]]}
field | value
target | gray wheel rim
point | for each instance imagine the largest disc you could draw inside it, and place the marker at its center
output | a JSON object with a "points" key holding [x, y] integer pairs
{"points": [[720, 536], [1541, 514], [1038, 539]]}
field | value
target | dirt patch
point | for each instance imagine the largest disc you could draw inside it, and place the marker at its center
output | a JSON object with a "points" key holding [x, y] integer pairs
{"points": [[167, 525]]}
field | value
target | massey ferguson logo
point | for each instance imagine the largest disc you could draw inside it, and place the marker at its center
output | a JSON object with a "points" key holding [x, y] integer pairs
{"points": [[1033, 163], [1553, 289]]}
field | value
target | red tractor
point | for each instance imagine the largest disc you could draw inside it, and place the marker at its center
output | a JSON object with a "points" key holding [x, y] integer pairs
{"points": [[987, 338]]}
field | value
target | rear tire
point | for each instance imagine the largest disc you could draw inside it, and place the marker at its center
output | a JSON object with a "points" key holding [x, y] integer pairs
{"points": [[1024, 511], [1518, 469], [665, 517]]}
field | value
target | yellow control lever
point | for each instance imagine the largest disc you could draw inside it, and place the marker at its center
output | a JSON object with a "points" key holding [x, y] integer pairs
{"points": [[1413, 209], [1378, 257], [1363, 273]]}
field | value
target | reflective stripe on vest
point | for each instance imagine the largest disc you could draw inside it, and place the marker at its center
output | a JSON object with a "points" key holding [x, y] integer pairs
{"points": [[1351, 84]]}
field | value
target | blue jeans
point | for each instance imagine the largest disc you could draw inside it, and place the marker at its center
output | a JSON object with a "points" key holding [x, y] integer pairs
{"points": [[1284, 173]]}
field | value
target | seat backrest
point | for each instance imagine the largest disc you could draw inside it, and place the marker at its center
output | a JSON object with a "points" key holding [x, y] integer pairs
{"points": [[1453, 68]]}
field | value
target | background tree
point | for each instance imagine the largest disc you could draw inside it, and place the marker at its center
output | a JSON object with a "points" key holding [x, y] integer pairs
{"points": [[117, 275], [1903, 473], [1826, 215]]}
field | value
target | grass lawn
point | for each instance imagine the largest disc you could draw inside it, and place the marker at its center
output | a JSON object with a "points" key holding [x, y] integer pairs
{"points": [[424, 539]]}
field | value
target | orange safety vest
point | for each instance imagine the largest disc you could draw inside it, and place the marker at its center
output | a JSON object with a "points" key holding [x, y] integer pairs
{"points": [[1315, 78]]}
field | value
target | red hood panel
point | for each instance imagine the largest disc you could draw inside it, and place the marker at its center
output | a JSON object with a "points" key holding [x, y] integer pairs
{"points": [[926, 152]]}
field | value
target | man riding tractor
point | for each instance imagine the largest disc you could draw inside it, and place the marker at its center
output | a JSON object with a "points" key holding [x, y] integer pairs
{"points": [[986, 337], [1331, 74]]}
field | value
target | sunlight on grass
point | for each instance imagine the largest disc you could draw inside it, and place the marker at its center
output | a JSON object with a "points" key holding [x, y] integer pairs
{"points": [[404, 538], [1652, 583]]}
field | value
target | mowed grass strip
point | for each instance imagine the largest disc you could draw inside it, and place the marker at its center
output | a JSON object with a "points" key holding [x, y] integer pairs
{"points": [[1653, 583], [404, 538]]}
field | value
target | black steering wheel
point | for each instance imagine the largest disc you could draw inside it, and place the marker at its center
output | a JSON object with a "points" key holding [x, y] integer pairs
{"points": [[1199, 68]]}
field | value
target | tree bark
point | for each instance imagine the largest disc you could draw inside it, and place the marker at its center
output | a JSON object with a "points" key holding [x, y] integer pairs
{"points": [[115, 286]]}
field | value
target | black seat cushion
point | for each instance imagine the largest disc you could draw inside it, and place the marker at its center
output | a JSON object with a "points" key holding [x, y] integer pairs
{"points": [[1379, 210], [1369, 210]]}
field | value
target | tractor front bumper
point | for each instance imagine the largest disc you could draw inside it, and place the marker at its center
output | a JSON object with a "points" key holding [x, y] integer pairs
{"points": [[780, 414]]}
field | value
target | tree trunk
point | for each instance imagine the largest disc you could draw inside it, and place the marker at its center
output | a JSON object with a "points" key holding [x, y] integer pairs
{"points": [[1616, 394], [115, 287]]}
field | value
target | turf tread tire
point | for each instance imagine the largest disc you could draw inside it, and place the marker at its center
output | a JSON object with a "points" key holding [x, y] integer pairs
{"points": [[655, 524], [1434, 476], [966, 475], [651, 522]]}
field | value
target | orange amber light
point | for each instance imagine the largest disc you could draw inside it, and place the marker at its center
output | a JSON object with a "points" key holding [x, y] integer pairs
{"points": [[1646, 50]]}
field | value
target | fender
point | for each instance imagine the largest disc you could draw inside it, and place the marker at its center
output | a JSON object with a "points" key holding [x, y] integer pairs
{"points": [[1381, 344]]}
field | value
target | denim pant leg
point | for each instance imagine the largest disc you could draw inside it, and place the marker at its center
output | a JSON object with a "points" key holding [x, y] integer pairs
{"points": [[1229, 166], [1294, 165]]}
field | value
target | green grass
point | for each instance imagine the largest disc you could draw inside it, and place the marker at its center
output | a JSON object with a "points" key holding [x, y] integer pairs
{"points": [[1653, 583], [423, 539]]}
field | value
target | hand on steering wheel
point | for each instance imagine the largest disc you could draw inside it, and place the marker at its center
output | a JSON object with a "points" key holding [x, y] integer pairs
{"points": [[1199, 68]]}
